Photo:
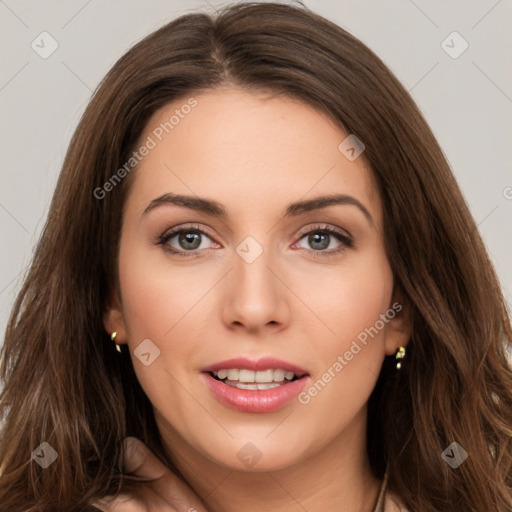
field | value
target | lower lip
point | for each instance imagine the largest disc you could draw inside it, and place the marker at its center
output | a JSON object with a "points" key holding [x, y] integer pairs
{"points": [[251, 400]]}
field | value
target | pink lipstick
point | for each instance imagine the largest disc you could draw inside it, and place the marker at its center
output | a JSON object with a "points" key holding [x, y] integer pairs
{"points": [[255, 386]]}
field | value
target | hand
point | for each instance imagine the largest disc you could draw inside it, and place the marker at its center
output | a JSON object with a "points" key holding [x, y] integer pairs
{"points": [[168, 494]]}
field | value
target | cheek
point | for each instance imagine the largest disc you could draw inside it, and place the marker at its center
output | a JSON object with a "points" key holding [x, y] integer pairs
{"points": [[350, 304], [158, 304], [348, 300], [156, 295]]}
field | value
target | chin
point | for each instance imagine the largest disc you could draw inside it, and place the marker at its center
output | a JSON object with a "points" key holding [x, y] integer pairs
{"points": [[257, 454]]}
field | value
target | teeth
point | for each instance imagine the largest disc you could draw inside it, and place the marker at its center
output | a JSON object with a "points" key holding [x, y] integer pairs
{"points": [[279, 375], [264, 376], [233, 374], [268, 385], [250, 376], [247, 376], [254, 387]]}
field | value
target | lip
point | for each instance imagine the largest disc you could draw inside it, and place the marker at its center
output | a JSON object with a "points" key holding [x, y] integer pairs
{"points": [[255, 401]]}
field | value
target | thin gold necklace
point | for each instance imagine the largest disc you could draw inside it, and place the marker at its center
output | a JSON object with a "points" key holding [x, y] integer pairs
{"points": [[379, 507]]}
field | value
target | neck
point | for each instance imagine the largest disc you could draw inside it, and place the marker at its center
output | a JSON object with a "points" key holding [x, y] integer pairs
{"points": [[337, 478]]}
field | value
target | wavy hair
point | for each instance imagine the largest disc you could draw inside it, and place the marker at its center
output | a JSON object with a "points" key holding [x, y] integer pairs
{"points": [[65, 384]]}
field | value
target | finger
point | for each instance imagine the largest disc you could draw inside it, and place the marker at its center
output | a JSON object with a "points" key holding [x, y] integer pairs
{"points": [[138, 458], [171, 488], [119, 503]]}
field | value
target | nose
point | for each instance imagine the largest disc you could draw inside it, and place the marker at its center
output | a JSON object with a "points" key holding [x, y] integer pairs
{"points": [[256, 297]]}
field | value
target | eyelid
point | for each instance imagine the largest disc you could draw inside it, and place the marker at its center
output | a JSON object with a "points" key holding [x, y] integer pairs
{"points": [[324, 227], [177, 229], [344, 237]]}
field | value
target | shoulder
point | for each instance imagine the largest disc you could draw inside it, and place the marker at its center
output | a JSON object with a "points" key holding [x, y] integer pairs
{"points": [[392, 503]]}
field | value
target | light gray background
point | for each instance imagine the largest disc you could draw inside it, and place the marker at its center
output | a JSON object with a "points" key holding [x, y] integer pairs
{"points": [[467, 101]]}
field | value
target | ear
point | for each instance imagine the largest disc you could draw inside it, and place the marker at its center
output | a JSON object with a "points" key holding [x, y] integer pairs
{"points": [[113, 319], [399, 327]]}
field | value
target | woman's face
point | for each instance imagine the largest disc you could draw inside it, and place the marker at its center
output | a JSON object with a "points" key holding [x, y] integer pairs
{"points": [[264, 273]]}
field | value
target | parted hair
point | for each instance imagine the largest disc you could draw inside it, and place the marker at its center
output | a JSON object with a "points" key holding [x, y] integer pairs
{"points": [[64, 382]]}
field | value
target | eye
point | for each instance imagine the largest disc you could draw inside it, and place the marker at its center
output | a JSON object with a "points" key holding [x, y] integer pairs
{"points": [[321, 238], [189, 239]]}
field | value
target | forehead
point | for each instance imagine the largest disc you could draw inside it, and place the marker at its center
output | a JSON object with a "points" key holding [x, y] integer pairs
{"points": [[247, 150]]}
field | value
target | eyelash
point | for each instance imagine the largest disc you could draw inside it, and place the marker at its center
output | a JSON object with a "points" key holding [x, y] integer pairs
{"points": [[346, 240]]}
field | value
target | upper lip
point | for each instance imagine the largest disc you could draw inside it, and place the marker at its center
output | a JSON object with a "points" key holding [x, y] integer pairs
{"points": [[263, 363]]}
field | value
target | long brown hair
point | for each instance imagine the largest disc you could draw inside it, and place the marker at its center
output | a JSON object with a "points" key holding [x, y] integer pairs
{"points": [[65, 384]]}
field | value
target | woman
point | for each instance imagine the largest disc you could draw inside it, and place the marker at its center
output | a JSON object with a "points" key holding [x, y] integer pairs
{"points": [[259, 270]]}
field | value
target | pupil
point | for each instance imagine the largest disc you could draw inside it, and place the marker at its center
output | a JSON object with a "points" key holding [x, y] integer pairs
{"points": [[190, 238], [315, 238]]}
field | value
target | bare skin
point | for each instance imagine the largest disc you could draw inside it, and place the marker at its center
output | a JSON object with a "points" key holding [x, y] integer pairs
{"points": [[255, 155]]}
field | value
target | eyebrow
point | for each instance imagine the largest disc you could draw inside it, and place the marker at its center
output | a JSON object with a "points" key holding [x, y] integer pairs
{"points": [[216, 209]]}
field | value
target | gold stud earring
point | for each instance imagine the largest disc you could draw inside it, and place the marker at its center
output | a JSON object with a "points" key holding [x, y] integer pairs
{"points": [[113, 338], [400, 354]]}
